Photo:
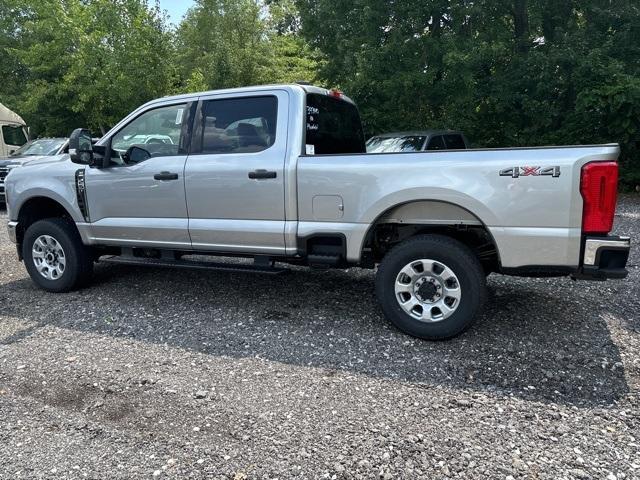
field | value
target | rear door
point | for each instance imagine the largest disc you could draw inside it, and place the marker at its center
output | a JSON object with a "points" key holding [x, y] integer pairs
{"points": [[234, 175]]}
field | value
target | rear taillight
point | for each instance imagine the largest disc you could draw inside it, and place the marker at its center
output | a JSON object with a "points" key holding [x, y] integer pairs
{"points": [[599, 189]]}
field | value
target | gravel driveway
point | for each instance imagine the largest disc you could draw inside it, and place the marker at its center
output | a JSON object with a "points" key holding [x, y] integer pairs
{"points": [[184, 374]]}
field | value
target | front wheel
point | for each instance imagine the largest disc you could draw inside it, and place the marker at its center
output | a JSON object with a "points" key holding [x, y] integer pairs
{"points": [[54, 255], [431, 287]]}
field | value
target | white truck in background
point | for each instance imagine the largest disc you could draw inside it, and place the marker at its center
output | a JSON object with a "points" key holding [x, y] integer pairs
{"points": [[13, 131]]}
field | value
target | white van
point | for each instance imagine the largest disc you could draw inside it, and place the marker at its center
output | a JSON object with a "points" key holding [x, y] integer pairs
{"points": [[13, 131]]}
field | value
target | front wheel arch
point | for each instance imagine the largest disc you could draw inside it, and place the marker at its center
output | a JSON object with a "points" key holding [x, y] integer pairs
{"points": [[39, 208]]}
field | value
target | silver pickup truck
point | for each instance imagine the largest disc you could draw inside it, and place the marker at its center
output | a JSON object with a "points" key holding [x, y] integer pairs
{"points": [[279, 174]]}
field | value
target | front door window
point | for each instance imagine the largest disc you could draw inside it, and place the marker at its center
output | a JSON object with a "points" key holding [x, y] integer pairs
{"points": [[158, 131]]}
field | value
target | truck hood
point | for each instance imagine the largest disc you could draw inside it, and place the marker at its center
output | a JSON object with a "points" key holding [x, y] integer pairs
{"points": [[31, 159]]}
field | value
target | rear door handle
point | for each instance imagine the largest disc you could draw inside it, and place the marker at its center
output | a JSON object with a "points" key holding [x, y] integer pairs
{"points": [[262, 174], [165, 176]]}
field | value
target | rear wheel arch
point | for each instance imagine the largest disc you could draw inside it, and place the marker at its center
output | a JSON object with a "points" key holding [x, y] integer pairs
{"points": [[418, 217]]}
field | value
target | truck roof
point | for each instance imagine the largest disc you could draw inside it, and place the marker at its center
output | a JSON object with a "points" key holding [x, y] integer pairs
{"points": [[256, 88]]}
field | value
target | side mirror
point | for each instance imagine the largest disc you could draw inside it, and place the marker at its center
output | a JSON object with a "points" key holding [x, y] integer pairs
{"points": [[80, 147], [135, 154]]}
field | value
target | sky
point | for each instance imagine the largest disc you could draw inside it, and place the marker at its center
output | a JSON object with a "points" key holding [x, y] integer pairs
{"points": [[175, 8]]}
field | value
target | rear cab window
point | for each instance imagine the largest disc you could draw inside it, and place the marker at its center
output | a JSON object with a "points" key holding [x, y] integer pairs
{"points": [[333, 126]]}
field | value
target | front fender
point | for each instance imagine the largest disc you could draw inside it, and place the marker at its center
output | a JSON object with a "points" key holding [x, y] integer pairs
{"points": [[43, 180]]}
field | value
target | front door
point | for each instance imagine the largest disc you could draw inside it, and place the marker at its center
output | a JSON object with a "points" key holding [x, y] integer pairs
{"points": [[235, 174], [140, 201]]}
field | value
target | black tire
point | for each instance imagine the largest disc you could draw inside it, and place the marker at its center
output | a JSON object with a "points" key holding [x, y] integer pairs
{"points": [[454, 255], [79, 263]]}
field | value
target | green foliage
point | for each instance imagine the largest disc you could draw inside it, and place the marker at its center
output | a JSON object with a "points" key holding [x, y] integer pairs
{"points": [[507, 72], [69, 63], [224, 40], [233, 43], [85, 63]]}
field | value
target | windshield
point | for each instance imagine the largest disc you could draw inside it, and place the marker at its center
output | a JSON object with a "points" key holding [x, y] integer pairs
{"points": [[45, 146], [405, 143]]}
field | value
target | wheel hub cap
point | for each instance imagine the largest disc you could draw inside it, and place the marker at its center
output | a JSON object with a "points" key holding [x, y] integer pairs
{"points": [[49, 257], [428, 290]]}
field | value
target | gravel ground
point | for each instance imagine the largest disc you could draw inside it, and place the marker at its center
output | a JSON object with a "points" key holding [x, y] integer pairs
{"points": [[183, 374]]}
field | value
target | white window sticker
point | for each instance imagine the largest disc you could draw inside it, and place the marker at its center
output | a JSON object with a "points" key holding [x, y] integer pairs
{"points": [[179, 116], [311, 149]]}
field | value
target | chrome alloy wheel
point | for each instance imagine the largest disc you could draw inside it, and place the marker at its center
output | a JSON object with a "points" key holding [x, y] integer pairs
{"points": [[48, 257], [428, 290]]}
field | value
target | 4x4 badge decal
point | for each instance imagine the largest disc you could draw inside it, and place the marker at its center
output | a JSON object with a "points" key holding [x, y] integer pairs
{"points": [[516, 172]]}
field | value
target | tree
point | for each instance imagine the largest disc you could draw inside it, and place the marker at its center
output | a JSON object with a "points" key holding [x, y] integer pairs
{"points": [[507, 72], [231, 43], [85, 63], [225, 41]]}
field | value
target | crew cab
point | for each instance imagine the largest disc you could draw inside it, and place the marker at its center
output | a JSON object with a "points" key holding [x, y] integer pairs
{"points": [[280, 174]]}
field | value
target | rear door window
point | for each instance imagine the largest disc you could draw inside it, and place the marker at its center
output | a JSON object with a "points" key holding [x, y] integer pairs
{"points": [[239, 125], [333, 126], [455, 142], [436, 143]]}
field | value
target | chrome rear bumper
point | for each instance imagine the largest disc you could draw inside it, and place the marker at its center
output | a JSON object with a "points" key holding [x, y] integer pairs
{"points": [[594, 247], [604, 258]]}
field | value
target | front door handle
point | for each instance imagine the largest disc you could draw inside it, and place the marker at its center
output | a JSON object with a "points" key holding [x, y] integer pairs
{"points": [[165, 176], [262, 174]]}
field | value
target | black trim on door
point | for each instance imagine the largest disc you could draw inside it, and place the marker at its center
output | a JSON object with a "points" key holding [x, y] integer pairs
{"points": [[197, 130], [187, 128]]}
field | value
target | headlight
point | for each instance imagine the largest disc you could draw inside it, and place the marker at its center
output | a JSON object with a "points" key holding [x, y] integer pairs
{"points": [[11, 166]]}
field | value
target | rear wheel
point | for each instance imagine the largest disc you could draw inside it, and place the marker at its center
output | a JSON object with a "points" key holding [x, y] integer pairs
{"points": [[55, 256], [431, 287]]}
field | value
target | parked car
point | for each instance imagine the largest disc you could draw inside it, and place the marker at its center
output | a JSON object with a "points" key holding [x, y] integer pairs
{"points": [[417, 141], [43, 147], [13, 131], [291, 183]]}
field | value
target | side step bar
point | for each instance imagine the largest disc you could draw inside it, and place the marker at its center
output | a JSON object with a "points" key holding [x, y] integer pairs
{"points": [[259, 267]]}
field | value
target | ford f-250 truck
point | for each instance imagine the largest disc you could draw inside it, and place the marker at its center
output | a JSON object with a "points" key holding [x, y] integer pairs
{"points": [[279, 173]]}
